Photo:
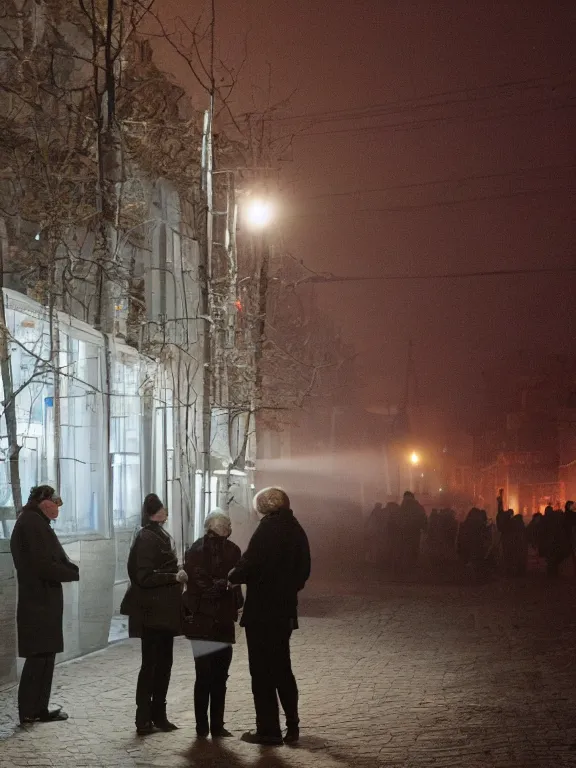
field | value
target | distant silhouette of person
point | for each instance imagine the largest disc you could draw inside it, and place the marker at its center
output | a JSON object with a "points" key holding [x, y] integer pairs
{"points": [[442, 533], [519, 546], [450, 529], [534, 532], [412, 522], [475, 542], [554, 542], [570, 523], [508, 531]]}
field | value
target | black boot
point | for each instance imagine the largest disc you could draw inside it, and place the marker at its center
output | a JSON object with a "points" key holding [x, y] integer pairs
{"points": [[201, 701], [292, 734], [292, 728], [144, 725], [160, 720], [217, 705]]}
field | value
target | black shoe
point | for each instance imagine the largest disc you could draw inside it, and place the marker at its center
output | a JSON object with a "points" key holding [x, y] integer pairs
{"points": [[220, 733], [24, 721], [159, 719], [52, 716], [292, 734], [253, 737], [145, 729], [202, 733], [165, 725]]}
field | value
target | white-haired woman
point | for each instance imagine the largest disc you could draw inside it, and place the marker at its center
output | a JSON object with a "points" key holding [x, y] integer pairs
{"points": [[211, 612]]}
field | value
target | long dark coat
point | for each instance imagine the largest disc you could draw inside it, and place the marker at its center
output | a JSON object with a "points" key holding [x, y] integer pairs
{"points": [[154, 597], [211, 608], [275, 567], [41, 566]]}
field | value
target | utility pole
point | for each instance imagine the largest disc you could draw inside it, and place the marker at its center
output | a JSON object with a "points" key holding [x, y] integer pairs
{"points": [[205, 288]]}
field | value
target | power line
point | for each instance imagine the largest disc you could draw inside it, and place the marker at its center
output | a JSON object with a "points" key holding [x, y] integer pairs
{"points": [[424, 184], [330, 278], [441, 94], [438, 203], [478, 199], [384, 112], [427, 121]]}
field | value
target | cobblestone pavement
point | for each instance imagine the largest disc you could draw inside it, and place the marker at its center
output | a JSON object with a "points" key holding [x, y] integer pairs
{"points": [[391, 675]]}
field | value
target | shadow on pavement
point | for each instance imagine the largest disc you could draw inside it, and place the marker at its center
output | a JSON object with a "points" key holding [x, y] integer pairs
{"points": [[217, 754]]}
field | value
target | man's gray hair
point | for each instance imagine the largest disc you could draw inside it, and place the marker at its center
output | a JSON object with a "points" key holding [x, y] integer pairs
{"points": [[218, 522], [270, 500]]}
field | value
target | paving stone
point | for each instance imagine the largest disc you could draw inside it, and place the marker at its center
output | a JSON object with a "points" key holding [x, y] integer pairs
{"points": [[390, 675]]}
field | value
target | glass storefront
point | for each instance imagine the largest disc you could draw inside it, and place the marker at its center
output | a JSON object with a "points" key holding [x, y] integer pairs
{"points": [[125, 440], [62, 425], [33, 385], [82, 437]]}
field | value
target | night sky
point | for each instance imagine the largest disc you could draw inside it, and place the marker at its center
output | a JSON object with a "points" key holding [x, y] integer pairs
{"points": [[479, 96]]}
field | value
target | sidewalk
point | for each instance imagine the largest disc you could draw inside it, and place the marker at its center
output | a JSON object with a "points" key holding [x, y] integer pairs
{"points": [[413, 676]]}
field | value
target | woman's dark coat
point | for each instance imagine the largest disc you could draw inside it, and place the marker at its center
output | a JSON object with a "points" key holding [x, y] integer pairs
{"points": [[41, 566], [211, 608], [154, 597]]}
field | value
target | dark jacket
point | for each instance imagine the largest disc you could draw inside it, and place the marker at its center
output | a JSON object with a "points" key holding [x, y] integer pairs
{"points": [[41, 566], [412, 518], [275, 567], [154, 597], [210, 607], [474, 537]]}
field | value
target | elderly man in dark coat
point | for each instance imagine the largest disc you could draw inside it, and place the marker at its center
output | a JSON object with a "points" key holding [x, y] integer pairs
{"points": [[275, 567], [41, 566]]}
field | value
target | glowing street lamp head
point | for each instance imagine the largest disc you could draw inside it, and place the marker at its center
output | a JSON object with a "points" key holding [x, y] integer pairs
{"points": [[414, 458], [259, 213]]}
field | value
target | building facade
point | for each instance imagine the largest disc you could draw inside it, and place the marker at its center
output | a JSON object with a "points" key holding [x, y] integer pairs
{"points": [[106, 392]]}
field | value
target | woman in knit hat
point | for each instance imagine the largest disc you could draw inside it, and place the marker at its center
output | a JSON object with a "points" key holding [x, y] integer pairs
{"points": [[153, 604]]}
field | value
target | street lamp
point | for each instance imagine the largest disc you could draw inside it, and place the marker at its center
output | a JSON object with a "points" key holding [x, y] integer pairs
{"points": [[414, 462], [259, 213]]}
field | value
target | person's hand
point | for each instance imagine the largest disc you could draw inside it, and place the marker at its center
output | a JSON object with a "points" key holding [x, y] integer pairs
{"points": [[181, 577]]}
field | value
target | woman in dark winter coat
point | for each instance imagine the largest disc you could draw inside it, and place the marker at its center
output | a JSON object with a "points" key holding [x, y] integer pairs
{"points": [[211, 608], [41, 566], [153, 604]]}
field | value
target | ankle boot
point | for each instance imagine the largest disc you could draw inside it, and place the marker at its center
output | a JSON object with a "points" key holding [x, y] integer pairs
{"points": [[292, 729], [201, 702], [144, 724], [217, 705], [160, 720]]}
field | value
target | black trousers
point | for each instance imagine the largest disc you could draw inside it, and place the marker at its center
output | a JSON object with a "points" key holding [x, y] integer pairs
{"points": [[272, 676], [210, 688], [36, 685], [154, 676]]}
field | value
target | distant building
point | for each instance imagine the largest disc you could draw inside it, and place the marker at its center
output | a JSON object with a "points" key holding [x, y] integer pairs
{"points": [[530, 448]]}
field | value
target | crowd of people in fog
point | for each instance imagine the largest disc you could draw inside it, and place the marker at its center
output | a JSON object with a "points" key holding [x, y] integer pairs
{"points": [[398, 534], [201, 599]]}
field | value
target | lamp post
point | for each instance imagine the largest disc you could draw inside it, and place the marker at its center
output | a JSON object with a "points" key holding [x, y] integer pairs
{"points": [[258, 213]]}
